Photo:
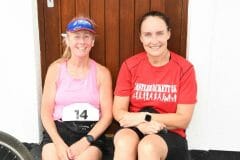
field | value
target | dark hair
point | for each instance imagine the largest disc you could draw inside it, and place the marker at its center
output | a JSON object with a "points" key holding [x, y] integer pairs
{"points": [[155, 14]]}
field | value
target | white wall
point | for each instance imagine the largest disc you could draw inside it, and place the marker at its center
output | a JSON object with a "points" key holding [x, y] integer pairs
{"points": [[213, 47], [20, 81]]}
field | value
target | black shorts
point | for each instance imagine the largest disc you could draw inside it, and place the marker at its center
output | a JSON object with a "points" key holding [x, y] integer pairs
{"points": [[71, 137], [177, 145]]}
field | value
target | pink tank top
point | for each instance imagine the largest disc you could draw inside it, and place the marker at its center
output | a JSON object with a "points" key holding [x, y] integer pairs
{"points": [[72, 90]]}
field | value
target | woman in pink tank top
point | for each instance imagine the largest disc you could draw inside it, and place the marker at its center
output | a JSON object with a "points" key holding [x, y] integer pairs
{"points": [[77, 99]]}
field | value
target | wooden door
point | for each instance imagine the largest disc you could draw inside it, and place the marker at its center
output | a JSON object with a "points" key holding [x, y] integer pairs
{"points": [[117, 28]]}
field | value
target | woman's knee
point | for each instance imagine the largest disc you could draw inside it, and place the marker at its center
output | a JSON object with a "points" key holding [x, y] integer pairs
{"points": [[49, 152], [92, 153], [153, 145], [126, 136]]}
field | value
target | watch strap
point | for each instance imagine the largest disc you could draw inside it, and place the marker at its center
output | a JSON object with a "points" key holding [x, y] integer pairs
{"points": [[90, 138]]}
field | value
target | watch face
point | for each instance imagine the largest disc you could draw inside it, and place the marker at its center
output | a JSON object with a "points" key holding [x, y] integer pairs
{"points": [[148, 118], [90, 139]]}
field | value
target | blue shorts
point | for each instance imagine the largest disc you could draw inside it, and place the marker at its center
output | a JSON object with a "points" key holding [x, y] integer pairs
{"points": [[71, 137]]}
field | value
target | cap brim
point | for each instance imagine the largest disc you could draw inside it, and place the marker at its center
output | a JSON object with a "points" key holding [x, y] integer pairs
{"points": [[82, 29]]}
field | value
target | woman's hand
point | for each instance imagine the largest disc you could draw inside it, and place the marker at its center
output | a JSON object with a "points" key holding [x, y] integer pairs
{"points": [[62, 151], [132, 119], [77, 148], [151, 127]]}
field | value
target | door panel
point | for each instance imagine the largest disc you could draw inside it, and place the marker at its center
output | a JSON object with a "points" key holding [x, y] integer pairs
{"points": [[112, 36], [116, 26]]}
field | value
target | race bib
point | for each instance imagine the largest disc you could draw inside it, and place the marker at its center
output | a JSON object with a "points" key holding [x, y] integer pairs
{"points": [[80, 112]]}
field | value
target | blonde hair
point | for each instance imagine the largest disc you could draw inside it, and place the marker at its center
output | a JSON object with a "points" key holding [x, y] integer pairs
{"points": [[67, 52]]}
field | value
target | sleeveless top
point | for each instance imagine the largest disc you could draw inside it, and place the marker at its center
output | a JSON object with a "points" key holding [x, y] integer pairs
{"points": [[73, 90]]}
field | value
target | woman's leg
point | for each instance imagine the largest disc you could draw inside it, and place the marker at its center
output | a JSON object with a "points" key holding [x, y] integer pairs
{"points": [[152, 147], [92, 153], [177, 146], [49, 152], [125, 144]]}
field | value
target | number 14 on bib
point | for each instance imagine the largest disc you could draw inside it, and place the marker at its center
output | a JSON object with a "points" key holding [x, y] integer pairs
{"points": [[80, 112]]}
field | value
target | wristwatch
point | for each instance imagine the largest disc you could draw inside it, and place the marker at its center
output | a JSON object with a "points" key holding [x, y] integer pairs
{"points": [[90, 138], [148, 117]]}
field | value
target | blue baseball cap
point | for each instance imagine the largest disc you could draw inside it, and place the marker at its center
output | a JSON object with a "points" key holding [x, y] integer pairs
{"points": [[80, 24]]}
